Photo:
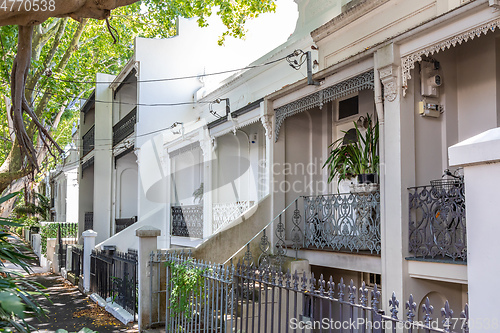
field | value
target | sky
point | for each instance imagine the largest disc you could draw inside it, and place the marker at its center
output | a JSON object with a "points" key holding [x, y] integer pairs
{"points": [[264, 33]]}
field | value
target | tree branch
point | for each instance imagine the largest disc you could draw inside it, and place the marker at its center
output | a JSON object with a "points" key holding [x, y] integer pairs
{"points": [[32, 81]]}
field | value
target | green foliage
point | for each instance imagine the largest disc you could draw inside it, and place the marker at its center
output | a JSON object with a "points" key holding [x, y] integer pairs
{"points": [[60, 84], [31, 222], [40, 209], [186, 281], [83, 330], [19, 230], [17, 296], [347, 160], [50, 230]]}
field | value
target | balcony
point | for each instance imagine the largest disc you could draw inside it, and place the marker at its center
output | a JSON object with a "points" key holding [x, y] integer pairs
{"points": [[88, 223], [437, 227], [124, 127], [123, 223], [88, 141], [347, 222], [187, 221], [225, 213]]}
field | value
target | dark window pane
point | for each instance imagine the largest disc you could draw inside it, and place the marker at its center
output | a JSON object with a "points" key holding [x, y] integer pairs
{"points": [[348, 107]]}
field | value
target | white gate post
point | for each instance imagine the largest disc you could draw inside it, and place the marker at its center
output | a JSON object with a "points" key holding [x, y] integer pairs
{"points": [[480, 158], [88, 245], [147, 243]]}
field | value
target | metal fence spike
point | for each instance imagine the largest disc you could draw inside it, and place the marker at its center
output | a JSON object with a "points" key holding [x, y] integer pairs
{"points": [[427, 308], [375, 298], [465, 318], [447, 313], [341, 287], [394, 305], [363, 299]]}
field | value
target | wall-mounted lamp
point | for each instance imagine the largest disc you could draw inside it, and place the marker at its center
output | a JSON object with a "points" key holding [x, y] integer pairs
{"points": [[362, 122]]}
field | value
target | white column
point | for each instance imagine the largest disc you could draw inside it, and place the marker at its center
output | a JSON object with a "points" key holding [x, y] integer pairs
{"points": [[208, 155], [103, 158], [397, 170], [88, 245], [480, 157], [147, 244]]}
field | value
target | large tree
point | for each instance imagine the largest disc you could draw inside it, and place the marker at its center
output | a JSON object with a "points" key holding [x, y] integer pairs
{"points": [[58, 43]]}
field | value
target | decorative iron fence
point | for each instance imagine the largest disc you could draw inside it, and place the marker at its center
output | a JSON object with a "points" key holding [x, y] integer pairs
{"points": [[437, 226], [343, 222], [339, 222], [67, 233], [88, 140], [122, 224], [114, 276], [244, 298], [77, 261], [224, 213], [88, 223], [124, 127], [187, 221]]}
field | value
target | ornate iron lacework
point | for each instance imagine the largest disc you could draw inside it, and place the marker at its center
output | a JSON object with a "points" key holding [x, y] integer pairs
{"points": [[343, 222], [224, 213], [124, 127], [320, 97], [408, 62], [437, 226], [88, 141], [187, 221]]}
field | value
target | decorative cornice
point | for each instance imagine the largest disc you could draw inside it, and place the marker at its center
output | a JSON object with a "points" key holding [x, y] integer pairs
{"points": [[320, 97], [348, 16], [130, 65], [185, 149], [408, 61]]}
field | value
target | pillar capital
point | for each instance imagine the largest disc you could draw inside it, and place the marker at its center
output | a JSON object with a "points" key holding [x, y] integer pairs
{"points": [[89, 233], [147, 231]]}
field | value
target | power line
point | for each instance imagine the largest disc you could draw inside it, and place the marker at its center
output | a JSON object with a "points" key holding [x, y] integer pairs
{"points": [[295, 53]]}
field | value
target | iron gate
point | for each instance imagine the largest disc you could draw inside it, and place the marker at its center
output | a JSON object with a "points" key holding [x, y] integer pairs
{"points": [[66, 234], [113, 275]]}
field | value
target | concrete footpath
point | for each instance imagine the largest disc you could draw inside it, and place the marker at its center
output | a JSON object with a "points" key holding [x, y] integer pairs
{"points": [[68, 308]]}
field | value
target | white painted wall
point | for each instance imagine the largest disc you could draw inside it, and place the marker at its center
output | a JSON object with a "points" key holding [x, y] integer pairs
{"points": [[126, 191], [480, 158], [103, 159], [236, 165]]}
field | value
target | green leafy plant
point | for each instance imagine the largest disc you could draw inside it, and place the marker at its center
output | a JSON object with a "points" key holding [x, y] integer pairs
{"points": [[40, 209], [19, 230], [31, 222], [186, 279], [50, 231], [359, 156], [17, 296]]}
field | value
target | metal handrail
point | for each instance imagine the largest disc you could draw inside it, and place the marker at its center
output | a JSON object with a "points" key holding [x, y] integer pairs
{"points": [[262, 230]]}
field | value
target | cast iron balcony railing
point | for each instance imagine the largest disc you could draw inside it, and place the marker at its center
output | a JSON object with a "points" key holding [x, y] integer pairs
{"points": [[437, 227], [343, 222], [224, 213], [187, 221], [123, 223], [124, 127], [88, 223], [88, 141]]}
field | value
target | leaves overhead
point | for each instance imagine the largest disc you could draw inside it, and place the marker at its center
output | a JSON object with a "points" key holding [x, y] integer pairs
{"points": [[74, 51]]}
